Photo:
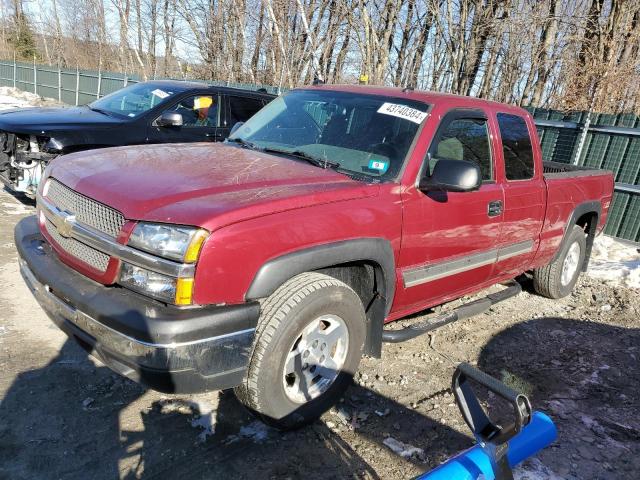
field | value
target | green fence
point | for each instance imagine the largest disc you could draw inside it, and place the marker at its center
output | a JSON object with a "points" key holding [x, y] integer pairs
{"points": [[610, 142], [79, 87], [596, 140]]}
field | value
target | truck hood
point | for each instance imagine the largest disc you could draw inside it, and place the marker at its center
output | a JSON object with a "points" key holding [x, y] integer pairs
{"points": [[203, 184], [39, 121]]}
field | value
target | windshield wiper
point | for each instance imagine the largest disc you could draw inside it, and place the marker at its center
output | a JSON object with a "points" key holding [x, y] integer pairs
{"points": [[318, 162], [244, 143], [99, 110]]}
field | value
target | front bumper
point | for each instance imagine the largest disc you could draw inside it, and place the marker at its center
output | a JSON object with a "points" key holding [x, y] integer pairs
{"points": [[166, 348]]}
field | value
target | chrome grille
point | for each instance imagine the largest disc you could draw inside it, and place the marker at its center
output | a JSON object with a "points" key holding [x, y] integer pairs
{"points": [[86, 210], [85, 253]]}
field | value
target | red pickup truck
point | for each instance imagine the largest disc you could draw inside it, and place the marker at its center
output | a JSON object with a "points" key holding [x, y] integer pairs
{"points": [[272, 263]]}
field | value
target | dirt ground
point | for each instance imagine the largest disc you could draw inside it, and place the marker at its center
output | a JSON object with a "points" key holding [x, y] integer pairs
{"points": [[64, 415]]}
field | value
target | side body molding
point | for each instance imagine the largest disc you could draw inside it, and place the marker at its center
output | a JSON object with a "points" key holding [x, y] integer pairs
{"points": [[580, 210], [376, 251]]}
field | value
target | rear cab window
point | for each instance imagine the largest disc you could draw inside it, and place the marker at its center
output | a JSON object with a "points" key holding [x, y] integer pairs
{"points": [[516, 147]]}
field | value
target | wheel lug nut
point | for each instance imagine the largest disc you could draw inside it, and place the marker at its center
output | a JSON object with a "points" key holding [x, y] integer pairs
{"points": [[315, 344], [304, 367], [323, 346], [305, 354], [322, 359]]}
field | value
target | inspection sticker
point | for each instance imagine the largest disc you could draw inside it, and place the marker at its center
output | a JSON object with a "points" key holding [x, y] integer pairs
{"points": [[160, 93], [379, 165], [402, 111]]}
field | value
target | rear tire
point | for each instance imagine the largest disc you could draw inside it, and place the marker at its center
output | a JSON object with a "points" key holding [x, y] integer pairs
{"points": [[309, 342], [558, 278]]}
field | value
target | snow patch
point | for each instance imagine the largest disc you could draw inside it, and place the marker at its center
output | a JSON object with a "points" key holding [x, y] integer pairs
{"points": [[615, 262], [403, 449], [206, 420], [12, 99], [256, 431], [534, 469], [16, 209], [204, 413]]}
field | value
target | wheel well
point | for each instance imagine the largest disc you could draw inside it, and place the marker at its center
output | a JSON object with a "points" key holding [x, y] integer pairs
{"points": [[365, 279], [589, 223]]}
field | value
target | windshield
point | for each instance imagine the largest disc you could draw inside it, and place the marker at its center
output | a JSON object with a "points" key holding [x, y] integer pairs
{"points": [[133, 100], [358, 134]]}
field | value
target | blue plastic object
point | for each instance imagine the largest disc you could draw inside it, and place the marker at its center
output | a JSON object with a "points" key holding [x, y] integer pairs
{"points": [[472, 463]]}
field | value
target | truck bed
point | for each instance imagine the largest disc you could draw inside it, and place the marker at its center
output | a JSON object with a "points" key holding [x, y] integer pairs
{"points": [[565, 170], [569, 186]]}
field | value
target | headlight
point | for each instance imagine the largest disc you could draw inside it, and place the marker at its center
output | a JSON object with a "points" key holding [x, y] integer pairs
{"points": [[176, 243], [167, 289]]}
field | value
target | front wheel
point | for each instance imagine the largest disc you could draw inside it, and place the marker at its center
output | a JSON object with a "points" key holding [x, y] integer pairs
{"points": [[308, 345], [557, 279]]}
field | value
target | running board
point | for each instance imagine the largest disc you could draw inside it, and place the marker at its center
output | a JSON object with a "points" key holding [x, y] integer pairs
{"points": [[464, 311]]}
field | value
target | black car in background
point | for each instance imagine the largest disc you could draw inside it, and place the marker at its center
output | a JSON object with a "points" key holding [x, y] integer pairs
{"points": [[149, 112]]}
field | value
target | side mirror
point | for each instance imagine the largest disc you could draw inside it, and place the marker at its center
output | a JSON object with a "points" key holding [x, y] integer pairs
{"points": [[235, 127], [452, 176], [169, 119]]}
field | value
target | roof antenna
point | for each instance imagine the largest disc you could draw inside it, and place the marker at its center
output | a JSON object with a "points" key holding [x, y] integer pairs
{"points": [[408, 88], [317, 80]]}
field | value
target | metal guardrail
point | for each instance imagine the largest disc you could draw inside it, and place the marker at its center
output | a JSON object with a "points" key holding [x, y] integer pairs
{"points": [[625, 187], [634, 132]]}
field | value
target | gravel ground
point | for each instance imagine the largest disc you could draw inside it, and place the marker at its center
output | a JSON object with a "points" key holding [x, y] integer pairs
{"points": [[64, 415]]}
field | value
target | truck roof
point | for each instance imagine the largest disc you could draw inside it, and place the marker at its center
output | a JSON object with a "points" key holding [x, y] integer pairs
{"points": [[419, 95]]}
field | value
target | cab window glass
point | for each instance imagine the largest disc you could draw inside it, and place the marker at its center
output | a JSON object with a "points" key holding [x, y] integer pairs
{"points": [[464, 139], [516, 145], [242, 109], [198, 111]]}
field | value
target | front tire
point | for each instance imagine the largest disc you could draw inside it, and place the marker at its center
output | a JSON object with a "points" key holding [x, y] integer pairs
{"points": [[558, 278], [309, 342]]}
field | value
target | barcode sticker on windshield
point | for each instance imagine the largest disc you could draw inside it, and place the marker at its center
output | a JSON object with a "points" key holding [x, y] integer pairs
{"points": [[402, 111], [160, 93]]}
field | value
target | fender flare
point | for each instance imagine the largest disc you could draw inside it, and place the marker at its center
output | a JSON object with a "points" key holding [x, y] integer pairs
{"points": [[377, 251], [580, 210]]}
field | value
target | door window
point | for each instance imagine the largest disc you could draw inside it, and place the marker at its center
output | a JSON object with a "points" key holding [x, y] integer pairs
{"points": [[198, 111], [464, 139], [516, 146], [242, 109]]}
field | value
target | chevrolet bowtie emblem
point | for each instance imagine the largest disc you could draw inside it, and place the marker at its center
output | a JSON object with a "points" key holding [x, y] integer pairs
{"points": [[65, 224]]}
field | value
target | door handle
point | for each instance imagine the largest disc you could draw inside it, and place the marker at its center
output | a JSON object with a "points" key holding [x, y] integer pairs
{"points": [[215, 135], [494, 208]]}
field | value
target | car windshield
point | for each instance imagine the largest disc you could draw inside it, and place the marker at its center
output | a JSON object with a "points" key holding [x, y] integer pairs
{"points": [[366, 136], [133, 100]]}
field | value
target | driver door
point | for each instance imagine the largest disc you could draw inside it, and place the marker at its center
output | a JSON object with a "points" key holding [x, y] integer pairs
{"points": [[450, 238], [200, 121]]}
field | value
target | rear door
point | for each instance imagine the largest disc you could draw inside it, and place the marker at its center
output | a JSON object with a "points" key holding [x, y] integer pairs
{"points": [[450, 238], [524, 193], [200, 116]]}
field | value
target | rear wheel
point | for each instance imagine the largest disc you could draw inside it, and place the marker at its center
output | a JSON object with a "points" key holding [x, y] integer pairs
{"points": [[308, 345], [558, 278]]}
